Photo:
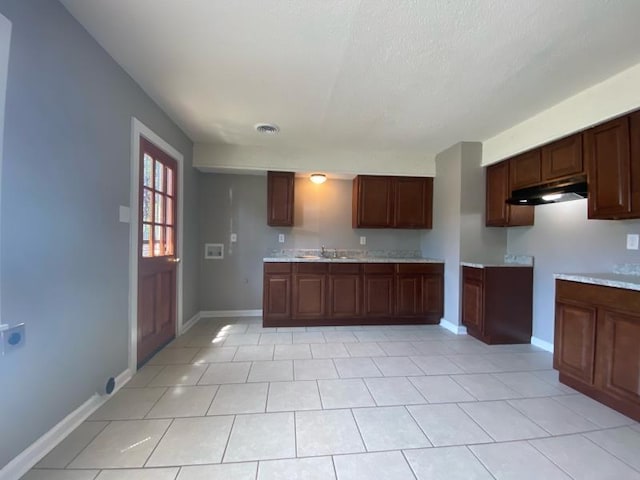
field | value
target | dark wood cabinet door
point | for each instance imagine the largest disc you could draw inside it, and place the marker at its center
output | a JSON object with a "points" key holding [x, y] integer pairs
{"points": [[618, 347], [433, 294], [575, 337], [525, 170], [409, 295], [277, 296], [607, 149], [309, 295], [413, 202], [372, 201], [280, 191], [562, 158], [473, 303], [378, 295], [497, 194], [345, 296]]}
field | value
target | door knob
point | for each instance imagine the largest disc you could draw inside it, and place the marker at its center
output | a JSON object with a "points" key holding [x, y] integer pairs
{"points": [[174, 260]]}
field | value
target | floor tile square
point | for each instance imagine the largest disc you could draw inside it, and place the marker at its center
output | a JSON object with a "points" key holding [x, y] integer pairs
{"points": [[436, 365], [517, 461], [47, 474], [389, 428], [371, 336], [290, 396], [398, 349], [275, 339], [174, 375], [582, 459], [122, 444], [320, 468], [527, 384], [397, 366], [344, 393], [432, 348], [356, 367], [485, 387], [502, 421], [447, 424], [593, 411], [254, 353], [128, 404], [232, 471], [328, 350], [266, 436], [475, 363], [271, 371], [184, 402], [235, 339], [215, 355], [327, 432], [552, 378], [393, 391], [623, 442], [292, 352], [441, 389], [364, 350], [308, 337], [71, 446], [230, 372], [239, 398], [314, 369], [139, 474], [340, 337], [192, 441], [552, 416], [449, 463], [143, 376], [173, 356], [367, 466]]}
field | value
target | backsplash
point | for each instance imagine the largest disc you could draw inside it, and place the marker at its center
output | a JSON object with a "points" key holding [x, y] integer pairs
{"points": [[337, 252], [627, 268], [518, 259]]}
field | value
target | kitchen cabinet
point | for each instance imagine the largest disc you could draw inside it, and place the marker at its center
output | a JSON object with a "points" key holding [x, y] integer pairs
{"points": [[613, 162], [280, 192], [597, 343], [276, 296], [392, 202], [498, 190], [562, 158], [497, 303], [352, 293], [525, 170]]}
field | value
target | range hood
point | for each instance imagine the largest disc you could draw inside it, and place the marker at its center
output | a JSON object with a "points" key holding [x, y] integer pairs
{"points": [[574, 188]]}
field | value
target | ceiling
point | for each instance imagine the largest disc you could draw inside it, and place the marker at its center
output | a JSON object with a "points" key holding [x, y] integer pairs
{"points": [[389, 75]]}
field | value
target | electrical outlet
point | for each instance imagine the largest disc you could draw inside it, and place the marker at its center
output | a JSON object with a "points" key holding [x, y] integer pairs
{"points": [[13, 338], [234, 237], [363, 240], [632, 241], [281, 237]]}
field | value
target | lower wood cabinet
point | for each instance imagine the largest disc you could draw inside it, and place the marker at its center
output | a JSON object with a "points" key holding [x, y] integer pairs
{"points": [[597, 343], [497, 303], [325, 293]]}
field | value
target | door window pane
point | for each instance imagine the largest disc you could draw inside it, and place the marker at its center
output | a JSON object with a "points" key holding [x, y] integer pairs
{"points": [[170, 181], [147, 206], [169, 211], [169, 247], [158, 244], [148, 171], [146, 240], [159, 208], [159, 177]]}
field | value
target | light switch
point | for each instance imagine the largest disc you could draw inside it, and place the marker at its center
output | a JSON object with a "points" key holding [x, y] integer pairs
{"points": [[632, 241], [234, 237], [363, 240], [281, 237]]}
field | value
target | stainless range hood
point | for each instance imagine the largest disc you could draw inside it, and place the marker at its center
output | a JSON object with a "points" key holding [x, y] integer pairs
{"points": [[574, 188]]}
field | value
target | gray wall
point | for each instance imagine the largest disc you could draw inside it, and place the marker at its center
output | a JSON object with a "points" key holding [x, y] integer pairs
{"points": [[458, 231], [563, 240], [237, 203], [64, 253]]}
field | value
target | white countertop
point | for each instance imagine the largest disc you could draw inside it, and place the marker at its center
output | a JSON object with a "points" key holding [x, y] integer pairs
{"points": [[486, 265], [314, 259], [616, 280]]}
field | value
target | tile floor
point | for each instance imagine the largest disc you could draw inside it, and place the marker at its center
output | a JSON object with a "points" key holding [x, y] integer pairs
{"points": [[233, 400]]}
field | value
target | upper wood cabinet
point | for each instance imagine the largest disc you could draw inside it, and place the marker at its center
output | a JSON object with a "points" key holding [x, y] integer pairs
{"points": [[562, 158], [280, 189], [498, 190], [392, 202], [525, 170], [612, 172]]}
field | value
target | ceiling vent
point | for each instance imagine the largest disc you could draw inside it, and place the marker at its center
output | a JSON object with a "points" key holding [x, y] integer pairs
{"points": [[267, 128]]}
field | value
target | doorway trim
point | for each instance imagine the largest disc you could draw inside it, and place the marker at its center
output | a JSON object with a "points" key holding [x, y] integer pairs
{"points": [[139, 129]]}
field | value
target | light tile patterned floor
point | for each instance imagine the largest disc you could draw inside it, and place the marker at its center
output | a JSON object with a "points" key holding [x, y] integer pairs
{"points": [[232, 400]]}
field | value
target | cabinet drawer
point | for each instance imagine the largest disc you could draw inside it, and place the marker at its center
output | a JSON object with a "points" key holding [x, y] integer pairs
{"points": [[344, 268], [428, 268], [473, 273], [382, 268], [311, 267], [277, 267]]}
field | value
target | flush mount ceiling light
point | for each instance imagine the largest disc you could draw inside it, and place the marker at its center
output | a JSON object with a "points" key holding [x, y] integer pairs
{"points": [[318, 178], [267, 128]]}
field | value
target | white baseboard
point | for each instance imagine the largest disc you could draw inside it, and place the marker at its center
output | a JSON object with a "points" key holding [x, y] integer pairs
{"points": [[190, 323], [230, 313], [452, 327], [26, 460], [544, 345]]}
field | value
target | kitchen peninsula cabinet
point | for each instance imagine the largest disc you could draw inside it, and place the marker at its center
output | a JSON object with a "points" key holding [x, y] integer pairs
{"points": [[280, 191], [497, 303], [327, 292], [597, 343], [498, 190], [392, 202]]}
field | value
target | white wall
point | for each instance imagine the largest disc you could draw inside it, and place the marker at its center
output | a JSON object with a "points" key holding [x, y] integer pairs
{"points": [[614, 96], [5, 42]]}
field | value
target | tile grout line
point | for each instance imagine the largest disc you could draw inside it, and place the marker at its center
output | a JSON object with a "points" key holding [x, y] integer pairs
{"points": [[355, 420], [530, 442], [226, 445], [608, 451], [107, 423], [144, 464], [486, 467]]}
